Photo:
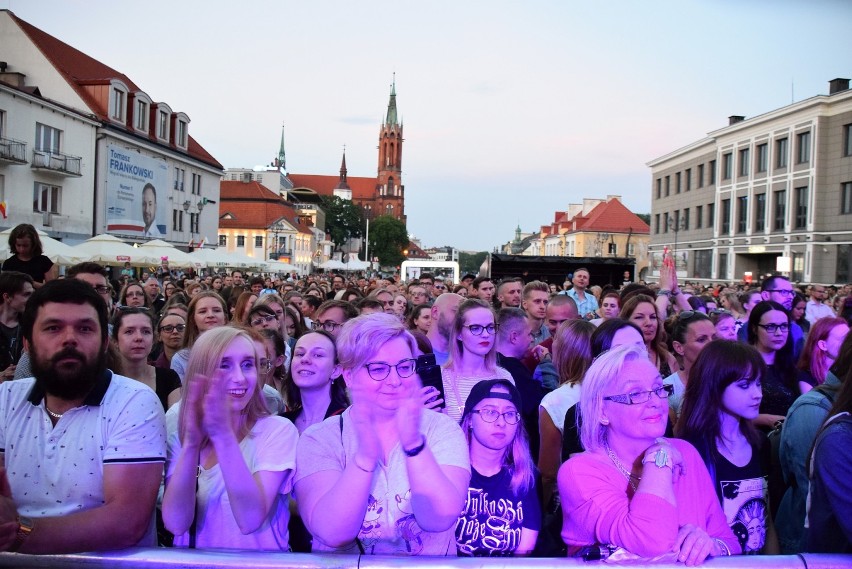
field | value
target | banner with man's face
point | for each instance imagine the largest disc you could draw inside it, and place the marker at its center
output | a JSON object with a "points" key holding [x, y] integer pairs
{"points": [[137, 193]]}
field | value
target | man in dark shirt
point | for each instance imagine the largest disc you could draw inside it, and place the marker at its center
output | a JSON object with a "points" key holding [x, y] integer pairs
{"points": [[15, 289]]}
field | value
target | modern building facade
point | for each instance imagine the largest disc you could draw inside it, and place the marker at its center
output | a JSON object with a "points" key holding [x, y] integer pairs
{"points": [[769, 194], [101, 155]]}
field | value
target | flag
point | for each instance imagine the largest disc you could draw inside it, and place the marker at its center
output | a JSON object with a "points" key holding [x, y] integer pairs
{"points": [[3, 209]]}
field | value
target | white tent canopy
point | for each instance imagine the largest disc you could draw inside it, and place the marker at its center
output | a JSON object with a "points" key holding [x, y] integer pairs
{"points": [[355, 265], [56, 251], [221, 258], [157, 249], [280, 267], [332, 264], [109, 250]]}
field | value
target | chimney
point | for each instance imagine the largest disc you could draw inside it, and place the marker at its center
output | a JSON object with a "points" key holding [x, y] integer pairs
{"points": [[734, 119], [838, 85], [18, 80]]}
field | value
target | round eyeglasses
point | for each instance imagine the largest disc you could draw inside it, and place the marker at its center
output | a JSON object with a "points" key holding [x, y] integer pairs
{"points": [[477, 329], [379, 371], [491, 415]]}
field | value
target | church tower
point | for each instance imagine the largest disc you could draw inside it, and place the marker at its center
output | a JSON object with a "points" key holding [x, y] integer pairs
{"points": [[342, 189], [389, 188]]}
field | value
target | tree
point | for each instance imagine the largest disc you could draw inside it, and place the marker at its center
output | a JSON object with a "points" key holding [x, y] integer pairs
{"points": [[470, 262], [388, 239], [646, 217], [343, 220]]}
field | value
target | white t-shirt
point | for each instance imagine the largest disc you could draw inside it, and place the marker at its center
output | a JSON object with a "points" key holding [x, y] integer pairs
{"points": [[558, 401], [676, 400], [271, 446]]}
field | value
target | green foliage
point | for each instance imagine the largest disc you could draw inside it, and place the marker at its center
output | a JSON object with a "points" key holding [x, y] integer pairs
{"points": [[470, 262], [343, 220], [646, 217], [388, 239]]}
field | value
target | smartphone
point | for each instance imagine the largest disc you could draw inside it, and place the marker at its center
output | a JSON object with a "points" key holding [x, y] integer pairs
{"points": [[430, 374]]}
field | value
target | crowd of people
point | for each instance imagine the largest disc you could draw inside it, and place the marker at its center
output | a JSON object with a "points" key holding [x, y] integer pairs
{"points": [[339, 413]]}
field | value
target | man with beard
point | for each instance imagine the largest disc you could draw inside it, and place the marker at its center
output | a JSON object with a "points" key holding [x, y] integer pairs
{"points": [[84, 448], [443, 313]]}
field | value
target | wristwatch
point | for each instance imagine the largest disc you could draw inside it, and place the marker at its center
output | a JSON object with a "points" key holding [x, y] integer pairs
{"points": [[25, 527]]}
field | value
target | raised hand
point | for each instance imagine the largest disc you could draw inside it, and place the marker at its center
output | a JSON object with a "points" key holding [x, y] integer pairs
{"points": [[217, 413], [193, 412], [409, 412], [361, 414], [430, 397]]}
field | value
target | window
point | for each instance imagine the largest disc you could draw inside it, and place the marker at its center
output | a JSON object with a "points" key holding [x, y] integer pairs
{"points": [[677, 183], [48, 139], [700, 178], [711, 215], [712, 172], [162, 125], [723, 266], [726, 216], [676, 220], [46, 198], [762, 157], [703, 263], [699, 215], [727, 166], [612, 249], [801, 207], [846, 197], [844, 263], [798, 273], [688, 175], [781, 152], [780, 210], [803, 148], [685, 220], [223, 241], [744, 161], [258, 241], [177, 220], [659, 188], [742, 214], [847, 140], [194, 218], [657, 224], [665, 223], [181, 133], [141, 113], [668, 185], [631, 250], [241, 240], [180, 177], [118, 104], [760, 212], [196, 184]]}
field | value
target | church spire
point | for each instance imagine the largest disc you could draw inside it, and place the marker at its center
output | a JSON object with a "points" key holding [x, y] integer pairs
{"points": [[282, 156], [391, 118], [342, 183]]}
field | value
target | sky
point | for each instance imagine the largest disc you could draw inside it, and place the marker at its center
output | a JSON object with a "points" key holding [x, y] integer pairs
{"points": [[511, 110]]}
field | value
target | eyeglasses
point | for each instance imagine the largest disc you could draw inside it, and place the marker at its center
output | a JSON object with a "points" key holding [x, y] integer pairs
{"points": [[169, 328], [137, 294], [260, 320], [266, 365], [490, 416], [782, 292], [718, 311], [133, 309], [663, 392], [379, 371], [329, 325], [774, 328], [101, 289], [477, 329]]}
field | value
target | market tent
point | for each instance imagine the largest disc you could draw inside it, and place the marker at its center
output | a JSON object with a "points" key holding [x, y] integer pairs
{"points": [[157, 249], [280, 267], [221, 258], [332, 264], [57, 251], [355, 265], [109, 250]]}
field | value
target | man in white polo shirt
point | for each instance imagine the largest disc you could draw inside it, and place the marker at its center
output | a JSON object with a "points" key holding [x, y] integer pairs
{"points": [[84, 448]]}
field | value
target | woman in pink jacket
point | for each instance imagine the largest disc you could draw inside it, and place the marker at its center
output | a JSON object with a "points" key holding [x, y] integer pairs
{"points": [[632, 489]]}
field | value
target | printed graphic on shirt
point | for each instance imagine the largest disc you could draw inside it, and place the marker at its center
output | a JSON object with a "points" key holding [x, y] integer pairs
{"points": [[744, 504], [400, 519], [489, 526], [371, 527]]}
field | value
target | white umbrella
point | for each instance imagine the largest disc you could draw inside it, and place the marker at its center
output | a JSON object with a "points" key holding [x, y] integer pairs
{"points": [[56, 251], [110, 250], [280, 267], [332, 264], [355, 265], [221, 258], [157, 249]]}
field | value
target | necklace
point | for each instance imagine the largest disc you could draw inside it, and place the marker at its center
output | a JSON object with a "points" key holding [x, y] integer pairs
{"points": [[51, 413], [631, 478]]}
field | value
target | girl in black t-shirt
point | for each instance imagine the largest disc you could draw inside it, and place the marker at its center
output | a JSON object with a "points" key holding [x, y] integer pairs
{"points": [[721, 401]]}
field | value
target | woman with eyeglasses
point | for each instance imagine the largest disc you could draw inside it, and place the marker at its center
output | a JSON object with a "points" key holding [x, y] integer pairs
{"points": [[170, 331], [387, 476], [472, 354], [690, 332], [262, 318], [505, 517], [722, 399], [206, 311], [133, 338], [230, 464], [133, 295], [632, 489], [769, 332]]}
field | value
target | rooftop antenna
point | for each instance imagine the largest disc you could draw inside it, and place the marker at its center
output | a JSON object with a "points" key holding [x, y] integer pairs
{"points": [[792, 91]]}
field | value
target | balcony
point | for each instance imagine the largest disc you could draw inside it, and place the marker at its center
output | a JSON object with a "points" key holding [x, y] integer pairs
{"points": [[56, 163], [13, 151]]}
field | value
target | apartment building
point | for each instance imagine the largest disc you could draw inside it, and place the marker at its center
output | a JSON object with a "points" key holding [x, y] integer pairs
{"points": [[768, 194]]}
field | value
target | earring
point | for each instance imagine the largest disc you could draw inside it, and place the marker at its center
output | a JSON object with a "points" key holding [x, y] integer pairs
{"points": [[604, 421]]}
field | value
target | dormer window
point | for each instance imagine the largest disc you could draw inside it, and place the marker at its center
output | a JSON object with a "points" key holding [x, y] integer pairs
{"points": [[163, 125], [181, 134], [141, 112], [118, 104]]}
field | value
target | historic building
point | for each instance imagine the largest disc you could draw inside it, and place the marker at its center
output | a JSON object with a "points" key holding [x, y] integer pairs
{"points": [[84, 150], [772, 193], [382, 195]]}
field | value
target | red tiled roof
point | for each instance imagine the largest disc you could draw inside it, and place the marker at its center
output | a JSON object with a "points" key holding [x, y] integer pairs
{"points": [[250, 205], [614, 217], [415, 252], [362, 188], [79, 69]]}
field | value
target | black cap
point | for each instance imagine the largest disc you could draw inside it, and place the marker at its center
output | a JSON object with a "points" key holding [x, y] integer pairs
{"points": [[482, 390]]}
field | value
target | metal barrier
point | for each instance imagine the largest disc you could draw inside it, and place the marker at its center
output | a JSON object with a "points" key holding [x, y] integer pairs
{"points": [[190, 559]]}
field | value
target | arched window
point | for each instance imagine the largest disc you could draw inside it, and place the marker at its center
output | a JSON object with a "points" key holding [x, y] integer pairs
{"points": [[390, 190]]}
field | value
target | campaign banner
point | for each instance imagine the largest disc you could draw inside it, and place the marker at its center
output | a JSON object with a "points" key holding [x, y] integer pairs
{"points": [[136, 193]]}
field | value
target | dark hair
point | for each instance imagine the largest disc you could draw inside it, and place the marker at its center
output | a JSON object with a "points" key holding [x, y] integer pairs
{"points": [[257, 280], [414, 314], [150, 186], [680, 325], [24, 231], [122, 297], [349, 310], [770, 282], [602, 337], [266, 310], [479, 280], [274, 335], [291, 391], [369, 302], [312, 300], [87, 268], [784, 363], [697, 303], [295, 315], [720, 363], [125, 311], [12, 283], [63, 291]]}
